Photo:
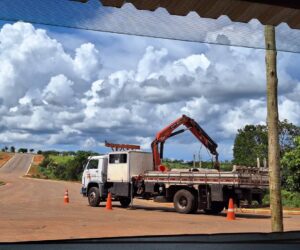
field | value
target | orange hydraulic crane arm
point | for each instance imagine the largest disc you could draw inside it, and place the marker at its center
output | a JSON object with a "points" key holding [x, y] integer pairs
{"points": [[167, 132]]}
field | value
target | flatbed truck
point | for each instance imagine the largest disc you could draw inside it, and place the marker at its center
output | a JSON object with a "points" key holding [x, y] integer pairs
{"points": [[130, 174]]}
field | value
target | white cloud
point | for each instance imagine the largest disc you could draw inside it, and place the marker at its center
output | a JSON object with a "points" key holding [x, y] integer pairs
{"points": [[150, 62], [86, 62], [89, 143], [289, 110], [29, 58], [59, 91]]}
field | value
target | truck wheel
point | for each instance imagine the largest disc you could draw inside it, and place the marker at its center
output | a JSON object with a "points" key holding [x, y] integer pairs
{"points": [[94, 197], [184, 202], [215, 208], [125, 202]]}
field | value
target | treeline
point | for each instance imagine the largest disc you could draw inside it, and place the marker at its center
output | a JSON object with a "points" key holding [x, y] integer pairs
{"points": [[64, 165], [251, 143], [12, 149]]}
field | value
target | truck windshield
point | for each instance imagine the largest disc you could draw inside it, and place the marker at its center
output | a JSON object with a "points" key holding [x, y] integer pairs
{"points": [[117, 158], [93, 164]]}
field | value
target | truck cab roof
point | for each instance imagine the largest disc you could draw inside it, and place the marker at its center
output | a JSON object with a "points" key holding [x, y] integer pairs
{"points": [[95, 157], [129, 151]]}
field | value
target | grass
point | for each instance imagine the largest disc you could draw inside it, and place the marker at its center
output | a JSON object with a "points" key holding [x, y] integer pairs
{"points": [[60, 160], [289, 199]]}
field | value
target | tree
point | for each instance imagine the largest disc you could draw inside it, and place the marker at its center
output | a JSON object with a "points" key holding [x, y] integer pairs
{"points": [[291, 164], [12, 149], [31, 150], [287, 133], [251, 142], [22, 150], [39, 152]]}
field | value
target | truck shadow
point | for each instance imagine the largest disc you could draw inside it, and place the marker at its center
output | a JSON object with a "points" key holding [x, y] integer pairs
{"points": [[169, 209], [248, 216], [154, 208]]}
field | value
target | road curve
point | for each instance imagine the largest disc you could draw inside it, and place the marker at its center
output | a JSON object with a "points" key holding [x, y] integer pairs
{"points": [[33, 209]]}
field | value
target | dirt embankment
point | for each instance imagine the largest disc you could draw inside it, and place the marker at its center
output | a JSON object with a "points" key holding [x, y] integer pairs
{"points": [[5, 157], [33, 170]]}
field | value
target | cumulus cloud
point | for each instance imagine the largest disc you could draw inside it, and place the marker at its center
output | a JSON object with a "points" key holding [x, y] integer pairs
{"points": [[52, 97], [59, 91], [29, 58]]}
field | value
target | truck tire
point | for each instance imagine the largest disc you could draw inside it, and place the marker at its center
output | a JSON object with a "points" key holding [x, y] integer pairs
{"points": [[94, 197], [125, 202], [184, 202], [215, 208]]}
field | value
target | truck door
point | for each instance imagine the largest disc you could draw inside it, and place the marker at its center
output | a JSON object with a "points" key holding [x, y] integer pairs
{"points": [[103, 169], [91, 172]]}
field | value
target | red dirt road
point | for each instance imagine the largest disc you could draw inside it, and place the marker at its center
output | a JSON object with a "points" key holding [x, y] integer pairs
{"points": [[33, 209]]}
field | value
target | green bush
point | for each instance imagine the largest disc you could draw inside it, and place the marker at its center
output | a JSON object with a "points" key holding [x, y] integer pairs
{"points": [[291, 168], [289, 199], [45, 162], [63, 166]]}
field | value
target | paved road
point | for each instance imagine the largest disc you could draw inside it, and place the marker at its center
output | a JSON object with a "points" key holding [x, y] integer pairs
{"points": [[33, 209]]}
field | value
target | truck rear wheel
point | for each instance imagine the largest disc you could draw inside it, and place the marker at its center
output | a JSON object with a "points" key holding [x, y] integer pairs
{"points": [[184, 202], [215, 208], [94, 197], [125, 202]]}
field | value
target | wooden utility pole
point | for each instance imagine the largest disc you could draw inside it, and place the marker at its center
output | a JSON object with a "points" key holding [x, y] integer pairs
{"points": [[272, 123]]}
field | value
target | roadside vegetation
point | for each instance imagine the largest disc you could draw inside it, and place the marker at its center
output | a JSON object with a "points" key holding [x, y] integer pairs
{"points": [[251, 143], [289, 199], [62, 165]]}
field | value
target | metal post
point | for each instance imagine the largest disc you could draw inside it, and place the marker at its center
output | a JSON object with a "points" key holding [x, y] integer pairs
{"points": [[194, 161], [265, 163], [258, 162], [131, 196]]}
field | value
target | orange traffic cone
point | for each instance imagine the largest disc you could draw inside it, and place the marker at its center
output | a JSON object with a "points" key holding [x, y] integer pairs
{"points": [[230, 211], [66, 197], [108, 202]]}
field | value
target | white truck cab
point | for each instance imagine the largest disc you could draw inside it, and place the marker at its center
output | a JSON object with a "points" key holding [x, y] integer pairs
{"points": [[113, 173], [94, 175]]}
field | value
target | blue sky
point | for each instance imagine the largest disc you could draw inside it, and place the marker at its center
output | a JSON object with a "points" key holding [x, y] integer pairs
{"points": [[67, 89]]}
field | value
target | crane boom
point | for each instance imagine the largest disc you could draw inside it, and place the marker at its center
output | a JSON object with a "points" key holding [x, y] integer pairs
{"points": [[167, 132]]}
